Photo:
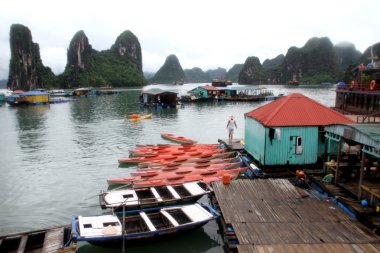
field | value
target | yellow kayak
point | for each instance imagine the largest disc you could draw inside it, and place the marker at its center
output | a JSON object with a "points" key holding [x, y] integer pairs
{"points": [[137, 117]]}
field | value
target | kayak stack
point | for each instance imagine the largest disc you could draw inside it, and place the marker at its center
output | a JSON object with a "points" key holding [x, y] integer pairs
{"points": [[160, 165]]}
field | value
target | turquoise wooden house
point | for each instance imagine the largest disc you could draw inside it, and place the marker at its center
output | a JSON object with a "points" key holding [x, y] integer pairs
{"points": [[205, 93], [289, 131]]}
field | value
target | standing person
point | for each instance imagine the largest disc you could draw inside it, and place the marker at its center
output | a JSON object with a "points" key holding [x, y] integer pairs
{"points": [[231, 125]]}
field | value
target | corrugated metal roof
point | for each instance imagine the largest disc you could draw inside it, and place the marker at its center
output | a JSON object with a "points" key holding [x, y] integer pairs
{"points": [[297, 110], [157, 91], [368, 134], [34, 93]]}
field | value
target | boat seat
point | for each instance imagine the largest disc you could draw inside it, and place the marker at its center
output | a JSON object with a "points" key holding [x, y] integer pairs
{"points": [[94, 225], [170, 218], [196, 213], [194, 188], [156, 195], [147, 221], [173, 192]]}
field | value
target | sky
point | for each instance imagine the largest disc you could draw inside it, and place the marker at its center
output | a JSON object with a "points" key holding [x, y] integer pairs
{"points": [[201, 33]]}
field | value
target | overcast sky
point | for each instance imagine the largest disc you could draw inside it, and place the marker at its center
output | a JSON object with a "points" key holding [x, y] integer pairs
{"points": [[206, 34]]}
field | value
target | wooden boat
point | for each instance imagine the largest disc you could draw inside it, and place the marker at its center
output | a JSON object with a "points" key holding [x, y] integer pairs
{"points": [[220, 83], [176, 158], [207, 177], [179, 139], [140, 226], [132, 199], [138, 117], [41, 240]]}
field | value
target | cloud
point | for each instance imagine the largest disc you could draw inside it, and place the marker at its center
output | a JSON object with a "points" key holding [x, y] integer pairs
{"points": [[53, 58], [205, 34]]}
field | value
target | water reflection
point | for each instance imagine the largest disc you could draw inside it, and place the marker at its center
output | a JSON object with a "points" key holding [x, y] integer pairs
{"points": [[31, 123]]}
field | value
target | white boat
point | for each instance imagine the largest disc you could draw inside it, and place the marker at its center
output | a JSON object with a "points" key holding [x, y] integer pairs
{"points": [[132, 199], [139, 226]]}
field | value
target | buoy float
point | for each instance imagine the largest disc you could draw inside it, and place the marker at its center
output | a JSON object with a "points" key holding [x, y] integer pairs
{"points": [[226, 179], [372, 85], [133, 116]]}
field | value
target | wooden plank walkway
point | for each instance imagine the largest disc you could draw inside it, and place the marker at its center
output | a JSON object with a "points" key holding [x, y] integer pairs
{"points": [[270, 215], [47, 240], [234, 145]]}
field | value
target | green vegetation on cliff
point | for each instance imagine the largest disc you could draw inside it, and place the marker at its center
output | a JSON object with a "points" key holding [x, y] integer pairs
{"points": [[170, 72], [196, 75], [26, 71], [120, 66], [252, 71]]}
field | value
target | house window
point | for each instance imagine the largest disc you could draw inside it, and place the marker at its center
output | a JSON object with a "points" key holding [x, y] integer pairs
{"points": [[299, 145]]}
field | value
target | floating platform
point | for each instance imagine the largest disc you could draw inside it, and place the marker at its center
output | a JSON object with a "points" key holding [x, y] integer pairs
{"points": [[47, 240], [234, 145], [272, 215]]}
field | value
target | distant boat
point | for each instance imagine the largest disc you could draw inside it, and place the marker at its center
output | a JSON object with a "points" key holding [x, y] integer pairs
{"points": [[140, 226], [362, 95], [220, 83], [28, 98], [293, 82]]}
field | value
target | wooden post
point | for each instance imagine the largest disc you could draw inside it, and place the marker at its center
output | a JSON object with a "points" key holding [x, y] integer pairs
{"points": [[325, 155], [338, 161], [361, 177]]}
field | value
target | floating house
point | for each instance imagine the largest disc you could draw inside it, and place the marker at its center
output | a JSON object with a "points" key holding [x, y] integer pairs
{"points": [[362, 95], [355, 159], [289, 131], [204, 93], [158, 98], [29, 98]]}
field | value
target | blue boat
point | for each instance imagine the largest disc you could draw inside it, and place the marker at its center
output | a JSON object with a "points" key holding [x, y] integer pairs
{"points": [[138, 226]]}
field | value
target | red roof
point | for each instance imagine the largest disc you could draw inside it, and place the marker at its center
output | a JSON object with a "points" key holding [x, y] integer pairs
{"points": [[297, 110], [209, 87]]}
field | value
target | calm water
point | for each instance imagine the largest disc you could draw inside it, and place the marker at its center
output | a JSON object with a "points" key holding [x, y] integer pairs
{"points": [[55, 159]]}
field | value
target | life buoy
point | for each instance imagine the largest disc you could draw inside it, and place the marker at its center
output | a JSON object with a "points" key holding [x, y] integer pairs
{"points": [[372, 85]]}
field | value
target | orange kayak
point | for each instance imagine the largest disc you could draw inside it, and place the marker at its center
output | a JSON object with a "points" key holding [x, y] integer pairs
{"points": [[205, 177], [196, 174], [180, 159], [182, 169], [153, 166], [179, 139], [171, 157], [170, 150]]}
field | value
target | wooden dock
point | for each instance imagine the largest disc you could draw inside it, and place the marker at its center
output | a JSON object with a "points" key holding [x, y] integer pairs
{"points": [[49, 240], [234, 145], [272, 215]]}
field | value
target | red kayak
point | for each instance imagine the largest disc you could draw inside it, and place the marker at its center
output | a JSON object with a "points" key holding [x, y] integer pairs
{"points": [[166, 175], [205, 177], [179, 139], [153, 166], [171, 157], [182, 169], [204, 158], [169, 150]]}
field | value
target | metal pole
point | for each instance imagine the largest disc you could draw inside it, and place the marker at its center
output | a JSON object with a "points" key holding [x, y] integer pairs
{"points": [[361, 176], [338, 161], [123, 231]]}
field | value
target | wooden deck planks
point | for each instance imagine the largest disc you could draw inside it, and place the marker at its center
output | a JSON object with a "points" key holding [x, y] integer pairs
{"points": [[271, 213], [301, 248], [53, 240]]}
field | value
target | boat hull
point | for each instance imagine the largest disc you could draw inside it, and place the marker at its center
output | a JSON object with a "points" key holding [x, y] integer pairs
{"points": [[150, 197]]}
